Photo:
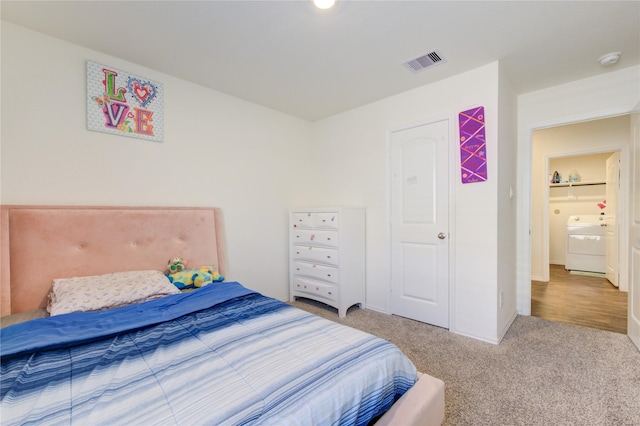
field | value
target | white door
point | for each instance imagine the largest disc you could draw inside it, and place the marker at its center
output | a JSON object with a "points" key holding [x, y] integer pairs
{"points": [[633, 321], [420, 223], [611, 239]]}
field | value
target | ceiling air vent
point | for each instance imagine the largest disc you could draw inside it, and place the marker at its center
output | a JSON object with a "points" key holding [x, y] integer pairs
{"points": [[425, 61]]}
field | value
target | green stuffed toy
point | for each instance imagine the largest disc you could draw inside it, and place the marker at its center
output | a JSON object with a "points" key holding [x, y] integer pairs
{"points": [[176, 264], [191, 278]]}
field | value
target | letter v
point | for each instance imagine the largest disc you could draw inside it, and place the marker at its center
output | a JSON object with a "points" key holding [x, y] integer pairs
{"points": [[115, 113]]}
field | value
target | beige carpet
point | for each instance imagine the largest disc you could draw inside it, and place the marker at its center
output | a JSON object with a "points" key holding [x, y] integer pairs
{"points": [[542, 373]]}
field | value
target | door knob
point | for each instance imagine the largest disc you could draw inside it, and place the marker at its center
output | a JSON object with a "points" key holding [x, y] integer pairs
{"points": [[442, 235]]}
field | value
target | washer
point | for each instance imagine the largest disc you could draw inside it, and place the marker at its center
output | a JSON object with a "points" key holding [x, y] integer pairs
{"points": [[586, 246]]}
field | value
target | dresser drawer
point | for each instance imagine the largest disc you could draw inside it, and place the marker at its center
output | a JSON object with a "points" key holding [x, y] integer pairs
{"points": [[314, 289], [315, 238], [314, 270], [318, 220], [315, 254]]}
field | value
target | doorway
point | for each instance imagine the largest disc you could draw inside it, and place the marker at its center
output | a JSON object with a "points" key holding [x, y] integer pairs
{"points": [[419, 162], [559, 148]]}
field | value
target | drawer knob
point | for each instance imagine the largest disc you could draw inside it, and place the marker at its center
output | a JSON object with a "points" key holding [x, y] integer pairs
{"points": [[329, 292]]}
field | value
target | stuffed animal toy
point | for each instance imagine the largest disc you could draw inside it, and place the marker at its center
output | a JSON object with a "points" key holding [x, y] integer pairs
{"points": [[176, 264], [206, 275], [194, 278]]}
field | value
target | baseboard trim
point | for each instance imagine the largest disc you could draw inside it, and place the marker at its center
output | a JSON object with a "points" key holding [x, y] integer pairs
{"points": [[507, 327]]}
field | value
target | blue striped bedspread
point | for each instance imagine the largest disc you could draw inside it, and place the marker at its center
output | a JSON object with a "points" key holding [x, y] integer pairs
{"points": [[221, 355]]}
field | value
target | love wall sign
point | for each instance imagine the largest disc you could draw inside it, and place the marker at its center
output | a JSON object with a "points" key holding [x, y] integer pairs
{"points": [[123, 104]]}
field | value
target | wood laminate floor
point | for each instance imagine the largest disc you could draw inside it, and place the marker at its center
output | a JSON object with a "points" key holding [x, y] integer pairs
{"points": [[580, 300]]}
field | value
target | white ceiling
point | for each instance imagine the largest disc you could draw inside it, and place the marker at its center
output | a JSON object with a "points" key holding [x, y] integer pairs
{"points": [[291, 57]]}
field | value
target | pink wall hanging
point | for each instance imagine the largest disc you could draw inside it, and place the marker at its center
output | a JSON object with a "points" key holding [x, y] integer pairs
{"points": [[473, 152]]}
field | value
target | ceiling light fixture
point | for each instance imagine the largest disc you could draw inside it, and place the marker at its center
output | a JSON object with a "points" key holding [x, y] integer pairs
{"points": [[324, 4], [609, 58]]}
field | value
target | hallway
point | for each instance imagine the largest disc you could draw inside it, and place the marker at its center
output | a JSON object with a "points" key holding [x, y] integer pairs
{"points": [[580, 300]]}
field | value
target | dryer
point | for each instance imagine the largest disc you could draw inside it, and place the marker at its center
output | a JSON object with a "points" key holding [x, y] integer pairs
{"points": [[586, 246]]}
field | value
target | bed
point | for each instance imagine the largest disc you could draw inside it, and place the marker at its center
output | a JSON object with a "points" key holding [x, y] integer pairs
{"points": [[221, 354]]}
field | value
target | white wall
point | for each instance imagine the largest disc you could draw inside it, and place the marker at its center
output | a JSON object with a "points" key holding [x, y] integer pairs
{"points": [[613, 93], [590, 168], [506, 295], [218, 151], [351, 155]]}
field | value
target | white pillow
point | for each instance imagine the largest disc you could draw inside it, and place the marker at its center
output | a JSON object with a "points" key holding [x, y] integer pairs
{"points": [[97, 292]]}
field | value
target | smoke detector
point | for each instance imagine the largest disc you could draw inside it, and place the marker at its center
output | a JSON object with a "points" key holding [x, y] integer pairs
{"points": [[609, 58], [425, 61]]}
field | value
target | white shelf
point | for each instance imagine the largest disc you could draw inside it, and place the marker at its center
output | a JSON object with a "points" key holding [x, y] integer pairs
{"points": [[565, 184]]}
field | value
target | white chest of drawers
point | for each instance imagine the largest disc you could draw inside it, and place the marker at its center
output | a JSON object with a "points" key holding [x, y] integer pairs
{"points": [[327, 256]]}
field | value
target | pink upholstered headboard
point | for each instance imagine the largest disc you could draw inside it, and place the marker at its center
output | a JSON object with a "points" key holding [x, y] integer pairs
{"points": [[41, 243]]}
